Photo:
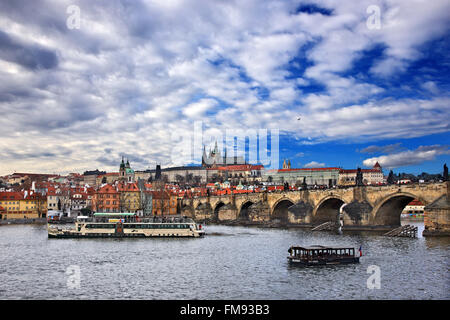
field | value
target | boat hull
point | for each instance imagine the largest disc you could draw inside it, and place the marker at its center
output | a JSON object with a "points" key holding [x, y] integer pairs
{"points": [[65, 234], [322, 262], [112, 235]]}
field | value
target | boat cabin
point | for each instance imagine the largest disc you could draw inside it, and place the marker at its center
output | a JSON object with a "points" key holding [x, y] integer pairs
{"points": [[317, 255]]}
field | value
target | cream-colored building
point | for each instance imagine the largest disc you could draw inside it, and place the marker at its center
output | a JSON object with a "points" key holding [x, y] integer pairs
{"points": [[372, 176]]}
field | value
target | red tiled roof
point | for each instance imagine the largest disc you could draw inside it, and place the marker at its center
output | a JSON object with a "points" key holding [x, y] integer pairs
{"points": [[109, 174], [107, 189], [20, 174], [355, 170], [127, 187], [415, 202], [11, 196], [160, 194]]}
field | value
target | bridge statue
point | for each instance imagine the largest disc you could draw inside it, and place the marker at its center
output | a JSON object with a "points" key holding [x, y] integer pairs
{"points": [[304, 185], [445, 175], [359, 178]]}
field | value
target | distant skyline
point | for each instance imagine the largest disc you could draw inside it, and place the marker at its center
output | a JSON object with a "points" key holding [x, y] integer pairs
{"points": [[341, 93]]}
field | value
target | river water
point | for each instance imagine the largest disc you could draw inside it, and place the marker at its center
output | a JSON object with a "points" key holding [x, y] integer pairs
{"points": [[228, 263]]}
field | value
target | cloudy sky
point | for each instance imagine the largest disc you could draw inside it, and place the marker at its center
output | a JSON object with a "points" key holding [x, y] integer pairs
{"points": [[136, 76]]}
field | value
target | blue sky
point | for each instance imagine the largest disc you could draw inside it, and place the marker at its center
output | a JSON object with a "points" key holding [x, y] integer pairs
{"points": [[136, 74]]}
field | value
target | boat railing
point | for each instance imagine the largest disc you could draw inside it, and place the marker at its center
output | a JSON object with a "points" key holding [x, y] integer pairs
{"points": [[140, 220]]}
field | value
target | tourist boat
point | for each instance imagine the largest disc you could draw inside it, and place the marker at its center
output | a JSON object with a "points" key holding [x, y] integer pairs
{"points": [[321, 255], [128, 225]]}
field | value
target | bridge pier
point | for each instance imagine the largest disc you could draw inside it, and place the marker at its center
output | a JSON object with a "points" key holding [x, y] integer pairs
{"points": [[437, 216], [357, 213], [227, 212], [300, 213]]}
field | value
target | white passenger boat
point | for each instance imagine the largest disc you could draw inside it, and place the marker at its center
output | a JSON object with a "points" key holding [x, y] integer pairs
{"points": [[128, 225]]}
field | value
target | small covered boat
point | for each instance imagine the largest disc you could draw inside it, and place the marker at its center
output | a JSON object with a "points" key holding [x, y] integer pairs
{"points": [[321, 255]]}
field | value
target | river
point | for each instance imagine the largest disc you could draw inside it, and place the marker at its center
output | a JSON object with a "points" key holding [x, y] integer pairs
{"points": [[228, 263]]}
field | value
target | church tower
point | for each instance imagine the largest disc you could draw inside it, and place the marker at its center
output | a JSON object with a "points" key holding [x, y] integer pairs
{"points": [[126, 174], [122, 171]]}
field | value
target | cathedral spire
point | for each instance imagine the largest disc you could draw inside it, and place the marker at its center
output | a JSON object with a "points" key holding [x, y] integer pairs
{"points": [[204, 156]]}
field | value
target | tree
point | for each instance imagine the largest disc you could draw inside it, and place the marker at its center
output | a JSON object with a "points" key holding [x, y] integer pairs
{"points": [[390, 179], [86, 211], [146, 199]]}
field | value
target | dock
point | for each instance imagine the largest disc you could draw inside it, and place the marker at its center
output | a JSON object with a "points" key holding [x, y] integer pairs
{"points": [[403, 231]]}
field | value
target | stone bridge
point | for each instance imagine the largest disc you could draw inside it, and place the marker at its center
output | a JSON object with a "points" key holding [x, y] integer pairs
{"points": [[366, 207]]}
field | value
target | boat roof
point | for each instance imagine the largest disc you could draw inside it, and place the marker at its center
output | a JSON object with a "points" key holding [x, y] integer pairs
{"points": [[319, 247], [114, 214]]}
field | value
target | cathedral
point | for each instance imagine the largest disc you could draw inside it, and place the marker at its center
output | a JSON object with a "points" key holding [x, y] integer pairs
{"points": [[214, 158], [126, 174], [286, 165]]}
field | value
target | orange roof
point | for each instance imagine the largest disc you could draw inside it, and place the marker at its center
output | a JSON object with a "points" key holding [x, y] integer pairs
{"points": [[415, 202], [127, 187], [356, 170], [160, 194], [107, 189], [11, 196], [109, 174]]}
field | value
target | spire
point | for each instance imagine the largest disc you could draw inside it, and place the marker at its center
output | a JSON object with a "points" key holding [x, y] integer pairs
{"points": [[158, 172], [204, 156]]}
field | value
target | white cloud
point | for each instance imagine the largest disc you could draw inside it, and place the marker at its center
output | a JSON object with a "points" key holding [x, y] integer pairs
{"points": [[314, 164], [137, 72], [409, 157], [198, 109]]}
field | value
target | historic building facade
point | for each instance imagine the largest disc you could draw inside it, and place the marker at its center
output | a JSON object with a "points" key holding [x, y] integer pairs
{"points": [[312, 176], [372, 176]]}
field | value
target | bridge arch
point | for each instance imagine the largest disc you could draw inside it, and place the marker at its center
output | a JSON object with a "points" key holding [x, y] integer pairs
{"points": [[219, 205], [389, 209], [280, 209], [243, 211], [188, 211], [327, 209], [203, 209]]}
